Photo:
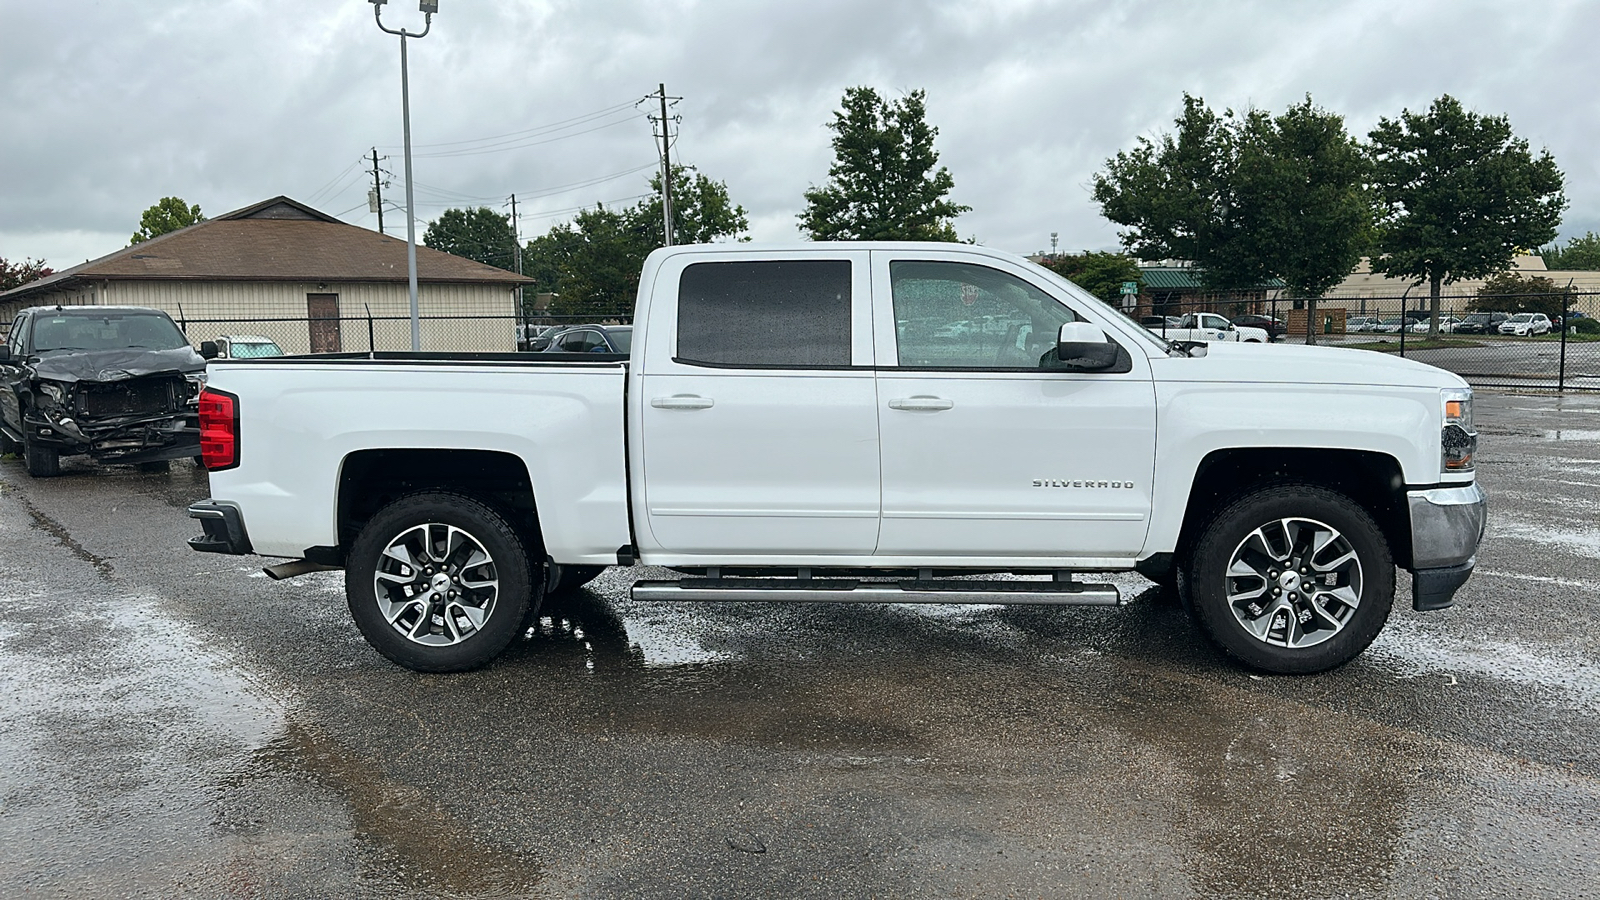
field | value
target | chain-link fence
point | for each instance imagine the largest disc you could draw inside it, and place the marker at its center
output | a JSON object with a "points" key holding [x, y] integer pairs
{"points": [[1538, 341], [367, 333]]}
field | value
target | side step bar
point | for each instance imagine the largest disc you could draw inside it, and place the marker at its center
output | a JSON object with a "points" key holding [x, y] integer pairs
{"points": [[851, 590]]}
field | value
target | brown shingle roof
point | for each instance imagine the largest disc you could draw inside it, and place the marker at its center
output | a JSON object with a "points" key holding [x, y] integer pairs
{"points": [[275, 240]]}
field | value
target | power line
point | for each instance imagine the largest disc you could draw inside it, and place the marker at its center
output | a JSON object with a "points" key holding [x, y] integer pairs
{"points": [[528, 132], [520, 146]]}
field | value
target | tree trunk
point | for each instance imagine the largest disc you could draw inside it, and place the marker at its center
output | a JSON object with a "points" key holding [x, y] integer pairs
{"points": [[1433, 308], [1311, 321]]}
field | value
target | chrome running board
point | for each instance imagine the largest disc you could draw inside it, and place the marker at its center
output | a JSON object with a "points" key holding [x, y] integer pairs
{"points": [[851, 590]]}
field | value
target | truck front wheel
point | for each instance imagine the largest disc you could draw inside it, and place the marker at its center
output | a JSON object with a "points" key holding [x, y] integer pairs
{"points": [[438, 582], [43, 462], [1292, 579]]}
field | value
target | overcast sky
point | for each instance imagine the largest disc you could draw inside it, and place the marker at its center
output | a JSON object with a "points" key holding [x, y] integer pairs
{"points": [[111, 105]]}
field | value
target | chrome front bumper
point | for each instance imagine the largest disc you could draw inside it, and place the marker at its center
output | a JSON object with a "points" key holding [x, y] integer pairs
{"points": [[1446, 527]]}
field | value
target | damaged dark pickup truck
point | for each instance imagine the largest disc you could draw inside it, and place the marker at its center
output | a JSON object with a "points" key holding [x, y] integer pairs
{"points": [[117, 383]]}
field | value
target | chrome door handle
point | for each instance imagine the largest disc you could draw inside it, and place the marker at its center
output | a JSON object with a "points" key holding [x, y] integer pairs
{"points": [[681, 401], [922, 403]]}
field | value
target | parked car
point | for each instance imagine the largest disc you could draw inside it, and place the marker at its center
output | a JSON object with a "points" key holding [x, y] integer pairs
{"points": [[1360, 324], [591, 339], [246, 346], [118, 383], [1391, 325], [1481, 323], [528, 336], [1275, 328], [1158, 324], [781, 437], [1211, 327], [1447, 324], [1526, 324]]}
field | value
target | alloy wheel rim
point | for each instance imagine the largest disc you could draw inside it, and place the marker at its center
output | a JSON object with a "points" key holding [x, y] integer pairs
{"points": [[436, 584], [1294, 583]]}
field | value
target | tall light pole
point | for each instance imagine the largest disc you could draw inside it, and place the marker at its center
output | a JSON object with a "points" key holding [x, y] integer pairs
{"points": [[428, 8]]}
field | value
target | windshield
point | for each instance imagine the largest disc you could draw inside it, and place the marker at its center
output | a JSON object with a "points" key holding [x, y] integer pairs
{"points": [[1522, 317], [622, 338], [108, 331]]}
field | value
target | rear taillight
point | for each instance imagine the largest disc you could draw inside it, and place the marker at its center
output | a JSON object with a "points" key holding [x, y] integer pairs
{"points": [[219, 429]]}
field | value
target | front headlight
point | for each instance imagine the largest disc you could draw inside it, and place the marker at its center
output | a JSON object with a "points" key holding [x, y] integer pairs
{"points": [[197, 381], [1458, 442]]}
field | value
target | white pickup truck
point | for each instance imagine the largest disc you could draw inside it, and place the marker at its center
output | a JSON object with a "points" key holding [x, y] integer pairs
{"points": [[854, 421], [1209, 327]]}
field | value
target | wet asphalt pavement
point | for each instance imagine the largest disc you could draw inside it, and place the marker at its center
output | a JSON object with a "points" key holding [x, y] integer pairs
{"points": [[175, 724]]}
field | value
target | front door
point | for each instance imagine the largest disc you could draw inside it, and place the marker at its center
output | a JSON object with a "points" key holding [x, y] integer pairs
{"points": [[987, 451], [756, 408], [323, 312]]}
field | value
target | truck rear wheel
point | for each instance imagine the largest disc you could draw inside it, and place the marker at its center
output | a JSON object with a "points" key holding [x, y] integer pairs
{"points": [[1292, 580], [438, 582]]}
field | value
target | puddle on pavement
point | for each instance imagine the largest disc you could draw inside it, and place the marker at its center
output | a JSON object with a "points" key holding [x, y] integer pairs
{"points": [[1582, 543], [411, 846], [1412, 649], [1572, 435]]}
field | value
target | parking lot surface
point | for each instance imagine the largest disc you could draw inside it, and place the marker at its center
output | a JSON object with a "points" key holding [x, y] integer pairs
{"points": [[176, 724]]}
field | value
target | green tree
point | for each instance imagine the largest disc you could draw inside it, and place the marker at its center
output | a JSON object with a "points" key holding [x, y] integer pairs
{"points": [[1247, 198], [1580, 253], [18, 274], [1458, 194], [1101, 274], [593, 262], [701, 211], [882, 185], [168, 215], [480, 234], [1510, 292]]}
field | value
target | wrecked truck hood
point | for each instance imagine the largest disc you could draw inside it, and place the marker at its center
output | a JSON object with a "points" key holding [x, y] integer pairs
{"points": [[117, 365]]}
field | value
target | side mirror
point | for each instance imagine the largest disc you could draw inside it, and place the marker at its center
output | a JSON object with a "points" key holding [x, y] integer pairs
{"points": [[1082, 346], [208, 349]]}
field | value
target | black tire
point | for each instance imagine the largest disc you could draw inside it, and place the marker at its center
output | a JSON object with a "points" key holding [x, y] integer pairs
{"points": [[574, 577], [433, 634], [155, 467], [7, 445], [1321, 628], [43, 462]]}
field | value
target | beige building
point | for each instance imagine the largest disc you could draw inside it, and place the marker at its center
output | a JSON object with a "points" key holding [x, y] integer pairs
{"points": [[299, 276], [1367, 292]]}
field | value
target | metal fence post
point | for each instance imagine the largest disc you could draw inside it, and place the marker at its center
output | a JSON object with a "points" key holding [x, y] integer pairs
{"points": [[372, 352], [1566, 315]]}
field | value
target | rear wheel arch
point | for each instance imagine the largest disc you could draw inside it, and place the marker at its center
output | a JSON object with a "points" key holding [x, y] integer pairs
{"points": [[370, 480]]}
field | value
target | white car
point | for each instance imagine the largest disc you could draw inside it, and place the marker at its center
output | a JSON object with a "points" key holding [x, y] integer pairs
{"points": [[1527, 324], [1360, 324], [1447, 325]]}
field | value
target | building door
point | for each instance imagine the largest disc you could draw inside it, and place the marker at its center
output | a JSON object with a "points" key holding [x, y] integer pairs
{"points": [[323, 312]]}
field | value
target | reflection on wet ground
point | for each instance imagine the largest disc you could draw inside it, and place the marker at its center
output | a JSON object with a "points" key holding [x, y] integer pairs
{"points": [[178, 726]]}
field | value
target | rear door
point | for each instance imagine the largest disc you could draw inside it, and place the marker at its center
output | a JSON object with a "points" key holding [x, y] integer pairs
{"points": [[757, 407]]}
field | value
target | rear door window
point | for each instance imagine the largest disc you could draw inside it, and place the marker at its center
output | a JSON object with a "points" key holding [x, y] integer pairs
{"points": [[773, 314]]}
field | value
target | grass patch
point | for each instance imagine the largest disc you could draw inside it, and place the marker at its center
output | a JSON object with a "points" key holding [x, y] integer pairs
{"points": [[1393, 346]]}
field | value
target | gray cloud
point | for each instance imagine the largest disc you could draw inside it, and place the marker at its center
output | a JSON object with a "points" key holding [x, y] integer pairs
{"points": [[111, 105]]}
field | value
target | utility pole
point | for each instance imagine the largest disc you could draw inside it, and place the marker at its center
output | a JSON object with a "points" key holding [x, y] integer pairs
{"points": [[516, 259], [666, 164], [377, 190]]}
